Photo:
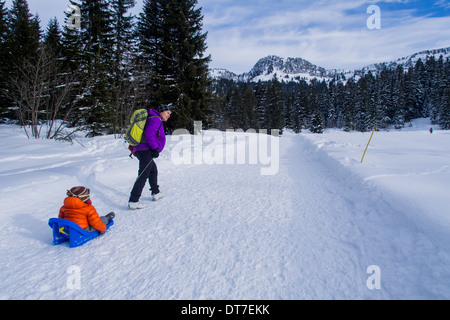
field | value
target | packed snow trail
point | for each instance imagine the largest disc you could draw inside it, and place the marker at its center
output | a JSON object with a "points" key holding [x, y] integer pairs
{"points": [[221, 232]]}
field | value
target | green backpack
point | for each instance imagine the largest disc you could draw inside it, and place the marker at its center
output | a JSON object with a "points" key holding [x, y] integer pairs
{"points": [[134, 132]]}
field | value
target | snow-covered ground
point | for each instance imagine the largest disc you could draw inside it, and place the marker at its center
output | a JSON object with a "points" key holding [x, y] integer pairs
{"points": [[323, 225]]}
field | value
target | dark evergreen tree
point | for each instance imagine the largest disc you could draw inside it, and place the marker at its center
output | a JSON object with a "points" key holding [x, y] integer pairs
{"points": [[5, 102], [173, 46], [338, 103], [97, 40], [412, 104], [53, 39], [124, 38], [315, 123], [433, 93], [349, 106], [261, 101], [444, 119], [303, 110], [331, 105], [22, 43], [218, 103], [24, 34], [273, 113], [56, 107], [127, 93], [385, 103], [234, 108], [71, 43], [289, 117], [251, 113]]}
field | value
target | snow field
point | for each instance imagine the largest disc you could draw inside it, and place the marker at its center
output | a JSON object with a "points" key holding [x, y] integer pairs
{"points": [[225, 231]]}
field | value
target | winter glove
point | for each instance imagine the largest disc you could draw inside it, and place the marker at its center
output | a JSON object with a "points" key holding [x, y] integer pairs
{"points": [[155, 153]]}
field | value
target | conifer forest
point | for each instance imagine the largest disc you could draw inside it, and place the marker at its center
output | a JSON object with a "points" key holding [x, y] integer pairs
{"points": [[58, 79]]}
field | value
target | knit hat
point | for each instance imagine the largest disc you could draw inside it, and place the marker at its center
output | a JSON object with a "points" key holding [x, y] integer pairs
{"points": [[164, 107], [79, 192]]}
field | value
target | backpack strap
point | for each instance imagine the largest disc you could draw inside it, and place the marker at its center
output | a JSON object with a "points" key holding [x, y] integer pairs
{"points": [[158, 133]]}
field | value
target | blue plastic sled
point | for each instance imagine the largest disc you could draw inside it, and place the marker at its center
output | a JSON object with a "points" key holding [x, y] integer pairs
{"points": [[66, 230]]}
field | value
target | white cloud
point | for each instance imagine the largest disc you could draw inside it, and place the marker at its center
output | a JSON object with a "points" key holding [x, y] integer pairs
{"points": [[332, 34], [443, 4]]}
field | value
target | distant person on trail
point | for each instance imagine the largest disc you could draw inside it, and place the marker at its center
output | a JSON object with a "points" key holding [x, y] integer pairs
{"points": [[78, 208], [431, 130], [153, 142]]}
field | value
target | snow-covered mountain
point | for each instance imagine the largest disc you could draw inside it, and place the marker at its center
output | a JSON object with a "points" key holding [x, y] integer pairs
{"points": [[286, 69], [296, 69], [290, 69], [406, 62]]}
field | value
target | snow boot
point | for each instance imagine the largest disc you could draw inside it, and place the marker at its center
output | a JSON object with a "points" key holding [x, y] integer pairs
{"points": [[136, 205], [157, 196], [110, 216]]}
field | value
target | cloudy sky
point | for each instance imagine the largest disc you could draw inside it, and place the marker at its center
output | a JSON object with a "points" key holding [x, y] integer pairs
{"points": [[332, 34]]}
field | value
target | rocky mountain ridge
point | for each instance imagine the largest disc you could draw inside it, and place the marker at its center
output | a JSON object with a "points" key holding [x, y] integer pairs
{"points": [[298, 69]]}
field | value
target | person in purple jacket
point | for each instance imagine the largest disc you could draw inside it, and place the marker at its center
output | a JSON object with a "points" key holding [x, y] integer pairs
{"points": [[152, 143]]}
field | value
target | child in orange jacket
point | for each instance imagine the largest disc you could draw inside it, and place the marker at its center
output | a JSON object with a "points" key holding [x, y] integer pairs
{"points": [[79, 209]]}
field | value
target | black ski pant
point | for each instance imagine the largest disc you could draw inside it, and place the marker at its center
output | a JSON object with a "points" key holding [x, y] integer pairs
{"points": [[147, 171]]}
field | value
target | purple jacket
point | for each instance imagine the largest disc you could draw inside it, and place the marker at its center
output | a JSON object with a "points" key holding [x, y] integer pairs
{"points": [[151, 139]]}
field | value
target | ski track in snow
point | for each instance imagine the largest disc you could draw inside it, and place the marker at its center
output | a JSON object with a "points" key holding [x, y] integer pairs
{"points": [[221, 231]]}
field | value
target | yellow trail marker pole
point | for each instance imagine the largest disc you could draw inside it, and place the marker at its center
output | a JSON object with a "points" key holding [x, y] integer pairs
{"points": [[367, 145]]}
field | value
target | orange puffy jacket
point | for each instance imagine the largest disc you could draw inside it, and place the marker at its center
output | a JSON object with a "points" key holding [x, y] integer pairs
{"points": [[83, 214]]}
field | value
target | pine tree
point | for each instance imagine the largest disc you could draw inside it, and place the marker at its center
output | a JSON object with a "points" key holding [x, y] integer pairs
{"points": [[124, 40], [444, 119], [316, 121], [72, 44], [126, 72], [350, 121], [97, 52], [273, 113], [251, 114], [261, 101], [234, 108], [56, 76], [22, 43], [5, 103], [289, 118], [173, 45], [218, 110], [332, 106], [53, 39], [338, 102], [24, 34]]}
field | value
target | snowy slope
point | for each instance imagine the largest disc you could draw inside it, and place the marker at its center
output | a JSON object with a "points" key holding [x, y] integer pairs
{"points": [[224, 231]]}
